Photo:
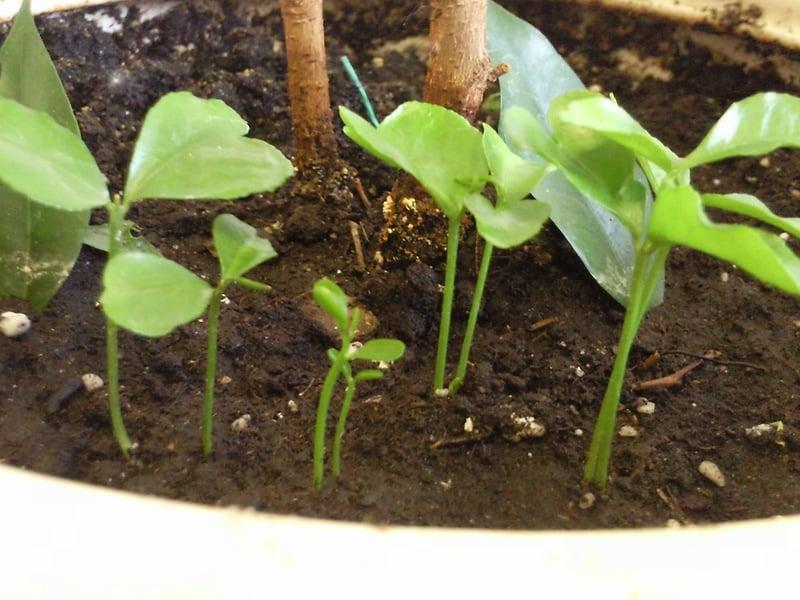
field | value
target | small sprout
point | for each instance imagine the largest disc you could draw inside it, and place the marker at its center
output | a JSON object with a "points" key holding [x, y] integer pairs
{"points": [[13, 324], [712, 472], [334, 301], [92, 382], [766, 433]]}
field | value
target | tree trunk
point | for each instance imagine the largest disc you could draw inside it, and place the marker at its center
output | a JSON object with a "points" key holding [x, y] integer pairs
{"points": [[458, 66], [312, 118], [458, 72]]}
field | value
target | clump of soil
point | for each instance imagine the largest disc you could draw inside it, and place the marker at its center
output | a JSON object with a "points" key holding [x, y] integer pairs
{"points": [[546, 336]]}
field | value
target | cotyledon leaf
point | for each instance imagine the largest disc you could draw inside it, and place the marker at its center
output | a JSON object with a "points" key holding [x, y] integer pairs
{"points": [[38, 244], [538, 76]]}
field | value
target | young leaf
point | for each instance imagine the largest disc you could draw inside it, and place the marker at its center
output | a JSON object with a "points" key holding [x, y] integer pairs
{"points": [[514, 178], [239, 247], [253, 285], [332, 300], [678, 218], [191, 148], [46, 162], [151, 295], [754, 126], [437, 146], [368, 375], [384, 349], [510, 224], [539, 75], [750, 206], [594, 112], [131, 239]]}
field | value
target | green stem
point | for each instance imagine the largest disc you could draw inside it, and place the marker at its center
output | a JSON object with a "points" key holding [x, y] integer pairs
{"points": [[337, 439], [447, 301], [322, 412], [477, 298], [211, 368], [596, 469], [114, 409], [116, 213]]}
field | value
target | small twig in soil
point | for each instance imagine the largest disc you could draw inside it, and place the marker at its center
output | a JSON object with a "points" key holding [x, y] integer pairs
{"points": [[461, 440], [308, 387], [354, 233], [649, 362], [727, 363], [362, 195], [544, 323], [676, 378]]}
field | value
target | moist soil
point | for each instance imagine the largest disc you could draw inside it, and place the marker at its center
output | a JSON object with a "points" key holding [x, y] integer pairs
{"points": [[546, 337]]}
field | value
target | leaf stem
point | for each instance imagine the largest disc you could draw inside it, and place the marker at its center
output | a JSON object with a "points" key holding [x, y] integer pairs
{"points": [[211, 368], [447, 301], [596, 469], [322, 410], [477, 298], [350, 392]]}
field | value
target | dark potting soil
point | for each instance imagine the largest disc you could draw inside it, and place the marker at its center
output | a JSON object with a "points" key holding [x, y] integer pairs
{"points": [[546, 338]]}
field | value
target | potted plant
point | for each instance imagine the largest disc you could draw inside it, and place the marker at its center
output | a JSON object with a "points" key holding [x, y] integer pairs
{"points": [[497, 412]]}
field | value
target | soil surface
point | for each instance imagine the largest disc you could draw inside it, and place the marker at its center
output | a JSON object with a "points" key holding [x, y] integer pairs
{"points": [[546, 337]]}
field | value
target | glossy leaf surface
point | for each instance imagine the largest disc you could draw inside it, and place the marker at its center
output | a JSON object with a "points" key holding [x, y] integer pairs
{"points": [[750, 206], [38, 244], [509, 224], [538, 76], [190, 148], [239, 247], [754, 126], [437, 146], [332, 300], [679, 219], [384, 349], [151, 295], [131, 239], [514, 177]]}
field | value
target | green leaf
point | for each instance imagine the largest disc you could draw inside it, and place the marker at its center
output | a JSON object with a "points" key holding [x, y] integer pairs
{"points": [[754, 126], [510, 224], [131, 239], [514, 178], [368, 375], [678, 218], [437, 146], [332, 300], [191, 148], [594, 112], [46, 162], [38, 244], [750, 206], [538, 76], [384, 349], [151, 295], [239, 247]]}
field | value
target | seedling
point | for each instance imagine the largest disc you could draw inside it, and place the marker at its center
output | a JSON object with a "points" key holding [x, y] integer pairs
{"points": [[188, 148], [452, 161], [148, 294], [510, 222], [334, 301], [596, 145]]}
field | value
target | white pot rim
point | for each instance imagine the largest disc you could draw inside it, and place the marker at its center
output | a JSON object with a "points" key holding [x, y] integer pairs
{"points": [[71, 540]]}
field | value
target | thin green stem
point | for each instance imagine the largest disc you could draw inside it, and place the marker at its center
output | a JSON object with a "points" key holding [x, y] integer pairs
{"points": [[116, 213], [477, 298], [325, 395], [596, 470], [114, 409], [211, 368], [447, 302], [350, 392], [353, 75]]}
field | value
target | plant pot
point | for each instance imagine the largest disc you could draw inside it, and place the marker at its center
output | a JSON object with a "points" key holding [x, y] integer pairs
{"points": [[72, 540]]}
